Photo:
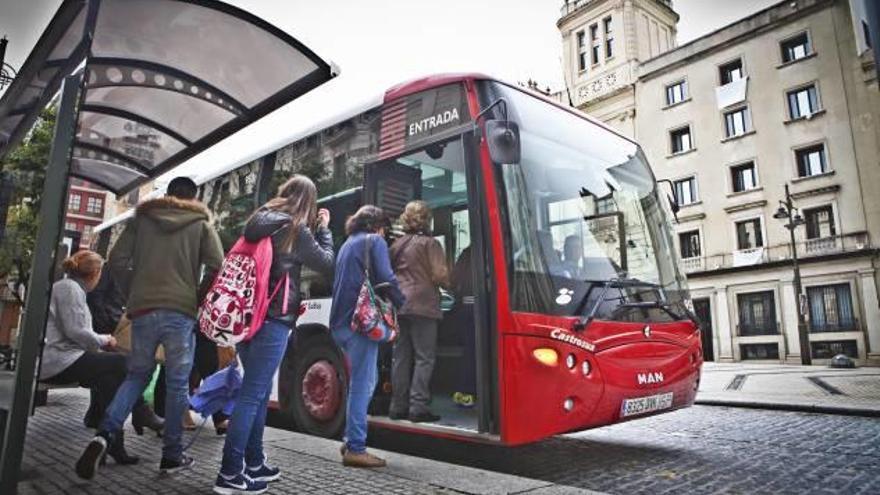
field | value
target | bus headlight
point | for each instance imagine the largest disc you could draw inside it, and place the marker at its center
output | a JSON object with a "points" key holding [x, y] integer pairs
{"points": [[568, 404], [570, 361], [546, 356], [585, 367]]}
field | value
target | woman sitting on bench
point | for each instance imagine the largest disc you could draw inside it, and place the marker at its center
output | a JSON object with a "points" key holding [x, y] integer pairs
{"points": [[72, 352]]}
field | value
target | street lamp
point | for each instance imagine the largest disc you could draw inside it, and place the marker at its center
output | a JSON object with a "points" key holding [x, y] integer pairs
{"points": [[788, 212], [7, 73]]}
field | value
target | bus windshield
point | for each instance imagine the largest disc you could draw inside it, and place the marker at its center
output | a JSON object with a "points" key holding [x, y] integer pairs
{"points": [[586, 232]]}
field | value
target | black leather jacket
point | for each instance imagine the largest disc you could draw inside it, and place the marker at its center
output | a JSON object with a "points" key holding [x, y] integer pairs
{"points": [[313, 250]]}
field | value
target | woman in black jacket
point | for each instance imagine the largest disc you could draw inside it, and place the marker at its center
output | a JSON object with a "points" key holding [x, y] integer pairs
{"points": [[299, 237]]}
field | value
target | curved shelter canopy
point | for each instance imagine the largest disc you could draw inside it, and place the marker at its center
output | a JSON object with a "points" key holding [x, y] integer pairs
{"points": [[163, 81]]}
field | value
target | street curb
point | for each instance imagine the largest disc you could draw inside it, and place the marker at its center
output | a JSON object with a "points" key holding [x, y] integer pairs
{"points": [[453, 477], [782, 406]]}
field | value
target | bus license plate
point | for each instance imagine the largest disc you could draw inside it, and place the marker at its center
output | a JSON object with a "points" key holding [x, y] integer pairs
{"points": [[643, 405]]}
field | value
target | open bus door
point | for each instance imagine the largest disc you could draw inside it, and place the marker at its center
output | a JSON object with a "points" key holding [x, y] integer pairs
{"points": [[390, 186], [443, 174]]}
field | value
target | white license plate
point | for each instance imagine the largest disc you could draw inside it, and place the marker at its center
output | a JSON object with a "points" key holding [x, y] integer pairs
{"points": [[644, 405]]}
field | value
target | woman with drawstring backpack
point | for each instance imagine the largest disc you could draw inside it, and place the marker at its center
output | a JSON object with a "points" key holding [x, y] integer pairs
{"points": [[299, 236]]}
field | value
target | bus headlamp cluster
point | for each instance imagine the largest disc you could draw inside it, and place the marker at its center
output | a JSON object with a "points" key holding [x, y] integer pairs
{"points": [[570, 361]]}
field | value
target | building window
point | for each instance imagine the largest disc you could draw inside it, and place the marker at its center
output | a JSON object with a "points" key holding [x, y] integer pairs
{"points": [[689, 243], [594, 43], [676, 93], [681, 140], [94, 205], [757, 313], [820, 222], [74, 202], [737, 122], [831, 308], [748, 234], [69, 225], [759, 351], [731, 71], [609, 38], [744, 177], [582, 50], [686, 191], [796, 48], [829, 348], [87, 231], [811, 161], [605, 205], [803, 102]]}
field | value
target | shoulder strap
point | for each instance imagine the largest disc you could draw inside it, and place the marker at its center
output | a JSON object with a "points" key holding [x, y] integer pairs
{"points": [[399, 252], [368, 260]]}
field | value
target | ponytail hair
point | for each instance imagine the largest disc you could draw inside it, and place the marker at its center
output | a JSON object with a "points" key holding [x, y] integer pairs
{"points": [[298, 197], [83, 264]]}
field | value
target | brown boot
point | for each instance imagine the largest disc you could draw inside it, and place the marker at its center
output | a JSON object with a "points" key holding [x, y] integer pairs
{"points": [[362, 460]]}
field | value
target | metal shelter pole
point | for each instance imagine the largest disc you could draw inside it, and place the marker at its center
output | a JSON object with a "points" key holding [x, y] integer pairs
{"points": [[37, 305]]}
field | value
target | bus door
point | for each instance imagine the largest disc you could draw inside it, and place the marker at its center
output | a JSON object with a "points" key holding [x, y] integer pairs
{"points": [[391, 185], [437, 175]]}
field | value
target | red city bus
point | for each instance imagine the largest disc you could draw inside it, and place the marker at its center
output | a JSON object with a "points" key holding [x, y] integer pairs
{"points": [[575, 313]]}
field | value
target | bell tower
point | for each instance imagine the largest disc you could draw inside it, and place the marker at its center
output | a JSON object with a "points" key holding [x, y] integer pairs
{"points": [[603, 43]]}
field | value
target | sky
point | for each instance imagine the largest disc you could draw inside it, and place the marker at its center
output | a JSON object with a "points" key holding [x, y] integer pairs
{"points": [[380, 43]]}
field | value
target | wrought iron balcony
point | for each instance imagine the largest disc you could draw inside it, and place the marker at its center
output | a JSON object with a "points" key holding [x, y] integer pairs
{"points": [[847, 243], [756, 328], [844, 325]]}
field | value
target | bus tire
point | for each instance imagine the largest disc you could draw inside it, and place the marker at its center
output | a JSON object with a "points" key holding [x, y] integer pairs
{"points": [[318, 389]]}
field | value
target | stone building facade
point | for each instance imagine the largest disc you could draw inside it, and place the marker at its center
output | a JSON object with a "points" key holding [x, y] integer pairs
{"points": [[785, 96]]}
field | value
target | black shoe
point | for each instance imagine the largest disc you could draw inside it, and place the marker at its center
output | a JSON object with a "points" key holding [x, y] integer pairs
{"points": [[88, 462], [398, 415], [116, 450], [144, 417], [424, 417], [167, 466]]}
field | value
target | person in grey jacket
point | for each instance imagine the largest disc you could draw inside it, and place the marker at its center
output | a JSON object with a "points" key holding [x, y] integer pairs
{"points": [[72, 352], [300, 236]]}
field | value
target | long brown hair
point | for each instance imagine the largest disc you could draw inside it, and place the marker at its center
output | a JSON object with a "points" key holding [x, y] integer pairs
{"points": [[298, 197]]}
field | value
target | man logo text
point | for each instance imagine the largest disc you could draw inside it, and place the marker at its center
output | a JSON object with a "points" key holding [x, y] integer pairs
{"points": [[650, 378]]}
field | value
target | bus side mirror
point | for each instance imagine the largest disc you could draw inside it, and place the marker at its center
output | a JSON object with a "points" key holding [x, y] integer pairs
{"points": [[503, 140]]}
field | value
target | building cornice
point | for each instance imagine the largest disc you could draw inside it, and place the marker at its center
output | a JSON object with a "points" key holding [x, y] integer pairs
{"points": [[749, 27], [593, 4]]}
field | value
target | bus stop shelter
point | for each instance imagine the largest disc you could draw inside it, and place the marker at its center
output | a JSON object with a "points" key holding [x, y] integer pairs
{"points": [[144, 85]]}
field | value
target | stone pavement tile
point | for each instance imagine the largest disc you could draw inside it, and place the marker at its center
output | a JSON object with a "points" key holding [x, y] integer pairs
{"points": [[56, 438], [459, 478], [807, 388]]}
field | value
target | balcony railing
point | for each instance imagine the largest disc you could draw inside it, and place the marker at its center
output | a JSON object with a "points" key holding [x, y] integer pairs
{"points": [[852, 324], [756, 256], [758, 328]]}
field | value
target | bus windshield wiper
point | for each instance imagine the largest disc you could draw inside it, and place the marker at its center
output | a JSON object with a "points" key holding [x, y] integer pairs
{"points": [[662, 305], [622, 282]]}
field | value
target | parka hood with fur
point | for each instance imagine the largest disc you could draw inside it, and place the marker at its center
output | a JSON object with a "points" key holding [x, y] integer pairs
{"points": [[172, 214]]}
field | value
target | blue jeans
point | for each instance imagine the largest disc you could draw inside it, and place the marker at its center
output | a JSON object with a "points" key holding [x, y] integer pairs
{"points": [[260, 358], [175, 332], [362, 354]]}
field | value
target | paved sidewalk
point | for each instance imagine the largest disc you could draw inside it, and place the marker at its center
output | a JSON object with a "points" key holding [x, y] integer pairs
{"points": [[792, 387], [56, 438]]}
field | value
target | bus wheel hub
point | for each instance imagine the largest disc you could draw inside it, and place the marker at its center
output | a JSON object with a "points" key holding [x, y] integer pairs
{"points": [[320, 390]]}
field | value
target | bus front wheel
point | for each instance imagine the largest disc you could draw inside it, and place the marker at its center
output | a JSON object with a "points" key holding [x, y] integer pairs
{"points": [[318, 389]]}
